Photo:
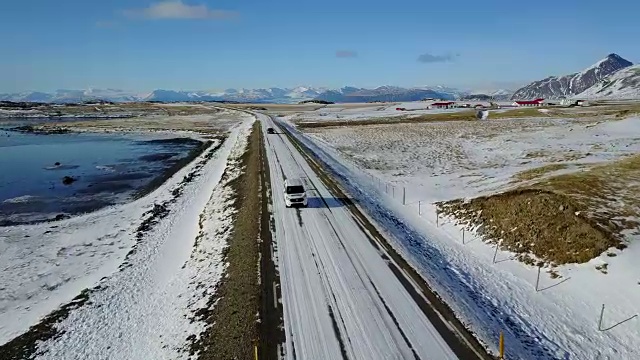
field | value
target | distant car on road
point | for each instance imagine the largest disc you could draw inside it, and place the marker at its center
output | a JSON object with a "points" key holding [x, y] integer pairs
{"points": [[294, 193], [270, 131]]}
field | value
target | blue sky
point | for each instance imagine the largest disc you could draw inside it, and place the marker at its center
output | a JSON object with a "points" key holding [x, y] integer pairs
{"points": [[141, 45]]}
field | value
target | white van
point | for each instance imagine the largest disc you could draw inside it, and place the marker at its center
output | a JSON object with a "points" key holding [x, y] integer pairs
{"points": [[294, 193]]}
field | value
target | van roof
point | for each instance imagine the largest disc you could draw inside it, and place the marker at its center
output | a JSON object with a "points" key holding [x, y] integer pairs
{"points": [[293, 182]]}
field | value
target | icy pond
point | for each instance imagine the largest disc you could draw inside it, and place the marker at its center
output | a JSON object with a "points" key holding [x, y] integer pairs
{"points": [[47, 176]]}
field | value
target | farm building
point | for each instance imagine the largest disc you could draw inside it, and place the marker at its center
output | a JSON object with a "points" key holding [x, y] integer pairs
{"points": [[443, 105], [536, 102]]}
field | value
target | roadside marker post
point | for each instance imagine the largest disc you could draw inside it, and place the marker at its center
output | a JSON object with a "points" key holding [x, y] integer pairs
{"points": [[393, 191], [501, 345], [419, 207], [404, 196], [462, 236], [601, 316]]}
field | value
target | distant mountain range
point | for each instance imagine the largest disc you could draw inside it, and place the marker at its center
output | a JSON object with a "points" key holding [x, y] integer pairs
{"points": [[555, 87], [497, 95], [71, 96], [383, 94], [269, 95]]}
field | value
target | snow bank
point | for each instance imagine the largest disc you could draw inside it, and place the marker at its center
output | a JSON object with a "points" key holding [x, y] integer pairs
{"points": [[147, 282]]}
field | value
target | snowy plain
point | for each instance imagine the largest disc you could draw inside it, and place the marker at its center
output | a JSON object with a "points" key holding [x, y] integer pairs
{"points": [[347, 112], [144, 284], [444, 161]]}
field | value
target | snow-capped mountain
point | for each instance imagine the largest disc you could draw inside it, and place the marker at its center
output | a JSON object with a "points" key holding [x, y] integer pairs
{"points": [[623, 84], [274, 95], [487, 95], [383, 93], [569, 85], [265, 95], [72, 96]]}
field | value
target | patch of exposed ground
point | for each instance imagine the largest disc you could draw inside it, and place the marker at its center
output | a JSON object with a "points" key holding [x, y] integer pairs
{"points": [[538, 172], [234, 329], [569, 218]]}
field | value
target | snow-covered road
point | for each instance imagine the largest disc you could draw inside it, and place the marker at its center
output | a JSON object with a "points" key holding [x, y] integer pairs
{"points": [[340, 297]]}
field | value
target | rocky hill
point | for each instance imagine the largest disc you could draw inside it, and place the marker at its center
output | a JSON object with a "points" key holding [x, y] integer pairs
{"points": [[573, 84], [624, 84]]}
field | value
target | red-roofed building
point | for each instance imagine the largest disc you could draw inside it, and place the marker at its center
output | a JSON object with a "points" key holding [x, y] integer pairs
{"points": [[442, 105], [536, 102]]}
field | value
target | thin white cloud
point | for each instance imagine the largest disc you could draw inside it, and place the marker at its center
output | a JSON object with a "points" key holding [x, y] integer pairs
{"points": [[179, 10]]}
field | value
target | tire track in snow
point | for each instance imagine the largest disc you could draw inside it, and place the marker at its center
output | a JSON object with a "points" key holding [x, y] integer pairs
{"points": [[356, 261], [375, 289], [320, 269], [429, 302], [382, 308]]}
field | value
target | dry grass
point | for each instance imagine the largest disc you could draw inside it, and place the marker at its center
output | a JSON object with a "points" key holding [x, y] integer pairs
{"points": [[538, 172], [535, 222], [569, 218], [609, 192]]}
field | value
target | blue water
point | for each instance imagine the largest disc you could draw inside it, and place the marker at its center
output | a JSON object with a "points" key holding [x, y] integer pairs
{"points": [[107, 169]]}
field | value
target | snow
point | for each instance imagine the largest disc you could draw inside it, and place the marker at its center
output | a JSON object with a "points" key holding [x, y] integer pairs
{"points": [[446, 161], [337, 290], [624, 84], [343, 112], [155, 287]]}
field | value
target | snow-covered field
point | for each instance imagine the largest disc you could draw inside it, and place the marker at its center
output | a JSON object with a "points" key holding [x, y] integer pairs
{"points": [[449, 160], [144, 262], [347, 112]]}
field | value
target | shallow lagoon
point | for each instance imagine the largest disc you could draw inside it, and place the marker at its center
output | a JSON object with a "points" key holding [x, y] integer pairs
{"points": [[107, 169]]}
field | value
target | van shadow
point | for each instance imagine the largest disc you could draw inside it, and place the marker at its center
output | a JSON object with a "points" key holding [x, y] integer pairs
{"points": [[320, 202]]}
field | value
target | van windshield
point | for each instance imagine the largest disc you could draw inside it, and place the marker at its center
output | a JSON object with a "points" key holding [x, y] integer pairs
{"points": [[295, 189]]}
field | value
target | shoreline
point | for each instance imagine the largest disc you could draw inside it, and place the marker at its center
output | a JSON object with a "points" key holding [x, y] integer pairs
{"points": [[205, 142]]}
